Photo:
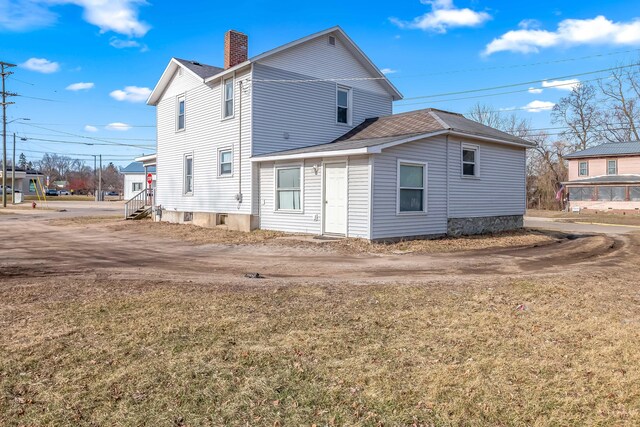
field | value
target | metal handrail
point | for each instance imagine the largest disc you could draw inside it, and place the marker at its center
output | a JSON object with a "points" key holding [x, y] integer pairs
{"points": [[140, 200]]}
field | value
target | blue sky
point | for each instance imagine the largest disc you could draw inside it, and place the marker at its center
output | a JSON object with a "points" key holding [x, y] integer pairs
{"points": [[114, 51]]}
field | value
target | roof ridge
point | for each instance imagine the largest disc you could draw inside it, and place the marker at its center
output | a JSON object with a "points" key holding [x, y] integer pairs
{"points": [[439, 120]]}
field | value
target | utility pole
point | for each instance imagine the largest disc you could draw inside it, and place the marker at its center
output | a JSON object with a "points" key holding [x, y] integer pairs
{"points": [[100, 179], [13, 172], [95, 190], [4, 73]]}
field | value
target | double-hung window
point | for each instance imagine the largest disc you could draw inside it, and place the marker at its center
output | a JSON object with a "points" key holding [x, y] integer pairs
{"points": [[225, 158], [612, 167], [342, 106], [188, 174], [412, 186], [227, 107], [180, 113], [288, 188], [137, 186], [470, 161], [583, 169]]}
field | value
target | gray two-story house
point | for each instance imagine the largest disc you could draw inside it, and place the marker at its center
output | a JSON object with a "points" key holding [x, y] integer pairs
{"points": [[302, 139]]}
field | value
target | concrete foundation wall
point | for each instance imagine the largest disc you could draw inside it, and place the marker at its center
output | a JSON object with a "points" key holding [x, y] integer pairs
{"points": [[237, 222], [482, 225]]}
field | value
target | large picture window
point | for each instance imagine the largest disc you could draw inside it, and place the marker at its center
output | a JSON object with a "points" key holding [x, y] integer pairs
{"points": [[578, 194], [607, 193], [412, 179], [288, 188]]}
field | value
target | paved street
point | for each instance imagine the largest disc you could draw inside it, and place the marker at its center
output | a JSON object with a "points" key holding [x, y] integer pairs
{"points": [[572, 227]]}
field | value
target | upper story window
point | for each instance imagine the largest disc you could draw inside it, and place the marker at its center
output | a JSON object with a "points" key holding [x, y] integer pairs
{"points": [[470, 160], [188, 174], [412, 179], [583, 169], [180, 113], [288, 188], [227, 107], [226, 162], [343, 102], [612, 167]]}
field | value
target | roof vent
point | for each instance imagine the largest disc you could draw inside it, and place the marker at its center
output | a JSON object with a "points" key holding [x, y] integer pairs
{"points": [[332, 41], [196, 63]]}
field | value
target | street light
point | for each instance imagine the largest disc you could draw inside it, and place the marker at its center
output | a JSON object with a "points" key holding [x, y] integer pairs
{"points": [[4, 161]]}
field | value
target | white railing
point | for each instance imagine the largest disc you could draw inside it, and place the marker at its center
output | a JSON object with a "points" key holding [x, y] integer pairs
{"points": [[140, 200]]}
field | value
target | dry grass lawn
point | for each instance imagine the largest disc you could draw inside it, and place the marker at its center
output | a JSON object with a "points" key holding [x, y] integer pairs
{"points": [[597, 218], [97, 351]]}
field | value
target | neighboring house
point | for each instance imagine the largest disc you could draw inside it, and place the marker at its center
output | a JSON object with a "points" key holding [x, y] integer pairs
{"points": [[605, 177], [135, 178], [301, 139]]}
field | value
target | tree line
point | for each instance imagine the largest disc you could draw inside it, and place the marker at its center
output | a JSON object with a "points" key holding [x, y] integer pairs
{"points": [[81, 178], [591, 114]]}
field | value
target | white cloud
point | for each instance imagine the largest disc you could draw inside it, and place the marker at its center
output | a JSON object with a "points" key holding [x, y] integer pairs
{"points": [[534, 90], [89, 128], [41, 65], [119, 16], [570, 32], [80, 86], [561, 84], [131, 94], [118, 126], [444, 15], [538, 106], [123, 44], [388, 71]]}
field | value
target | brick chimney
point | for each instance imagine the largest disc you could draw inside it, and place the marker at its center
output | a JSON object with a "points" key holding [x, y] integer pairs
{"points": [[236, 45]]}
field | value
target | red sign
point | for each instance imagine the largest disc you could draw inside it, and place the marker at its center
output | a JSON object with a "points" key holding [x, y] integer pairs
{"points": [[149, 178]]}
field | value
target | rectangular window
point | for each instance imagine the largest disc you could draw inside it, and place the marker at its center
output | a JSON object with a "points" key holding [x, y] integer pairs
{"points": [[137, 186], [615, 194], [583, 169], [612, 167], [188, 174], [288, 189], [228, 98], [180, 113], [32, 185], [411, 187], [634, 194], [470, 160], [226, 162], [343, 105], [578, 194]]}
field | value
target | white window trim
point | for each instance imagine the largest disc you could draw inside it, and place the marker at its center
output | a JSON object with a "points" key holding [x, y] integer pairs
{"points": [[220, 151], [276, 168], [184, 174], [425, 188], [136, 184], [349, 91], [580, 168], [616, 163], [476, 148], [233, 99], [182, 98]]}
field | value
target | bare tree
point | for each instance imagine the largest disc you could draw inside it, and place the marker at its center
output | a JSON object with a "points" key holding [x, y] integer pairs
{"points": [[509, 123], [621, 113], [578, 111]]}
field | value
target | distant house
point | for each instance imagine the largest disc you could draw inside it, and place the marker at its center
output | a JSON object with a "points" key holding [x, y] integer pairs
{"points": [[605, 177], [135, 178], [302, 139]]}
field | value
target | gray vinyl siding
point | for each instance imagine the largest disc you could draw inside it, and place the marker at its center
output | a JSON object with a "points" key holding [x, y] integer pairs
{"points": [[386, 222], [295, 115], [500, 188], [309, 220], [205, 133]]}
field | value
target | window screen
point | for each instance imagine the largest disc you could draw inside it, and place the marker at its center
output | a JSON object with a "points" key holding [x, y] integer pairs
{"points": [[580, 193], [611, 193]]}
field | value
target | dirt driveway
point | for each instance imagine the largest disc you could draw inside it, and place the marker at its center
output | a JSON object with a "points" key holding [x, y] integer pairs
{"points": [[36, 246]]}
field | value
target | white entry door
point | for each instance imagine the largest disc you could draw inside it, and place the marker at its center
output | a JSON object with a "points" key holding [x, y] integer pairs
{"points": [[335, 198]]}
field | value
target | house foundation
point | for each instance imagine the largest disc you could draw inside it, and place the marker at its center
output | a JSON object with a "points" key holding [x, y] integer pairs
{"points": [[236, 222], [483, 225]]}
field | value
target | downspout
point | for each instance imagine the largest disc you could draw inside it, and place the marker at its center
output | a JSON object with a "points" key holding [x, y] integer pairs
{"points": [[448, 173], [239, 196]]}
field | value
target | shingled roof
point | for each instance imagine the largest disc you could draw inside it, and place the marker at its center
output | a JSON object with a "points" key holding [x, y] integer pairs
{"points": [[607, 150], [404, 126], [202, 70]]}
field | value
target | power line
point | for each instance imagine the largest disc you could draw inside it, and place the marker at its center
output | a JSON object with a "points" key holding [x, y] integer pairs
{"points": [[90, 124], [70, 133], [110, 139], [90, 143]]}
